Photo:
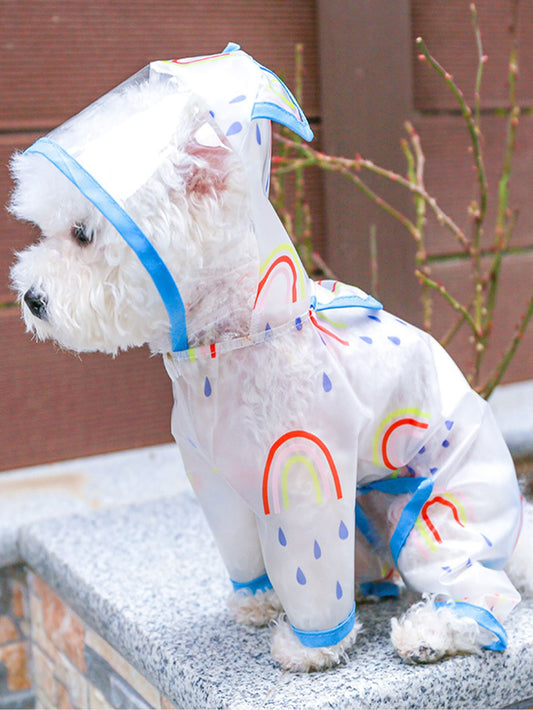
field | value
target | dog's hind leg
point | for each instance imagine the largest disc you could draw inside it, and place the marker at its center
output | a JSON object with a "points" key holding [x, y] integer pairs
{"points": [[520, 566]]}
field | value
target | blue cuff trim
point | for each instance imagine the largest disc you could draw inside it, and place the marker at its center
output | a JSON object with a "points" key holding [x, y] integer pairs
{"points": [[484, 618], [259, 584], [410, 514], [315, 639], [128, 229], [379, 589]]}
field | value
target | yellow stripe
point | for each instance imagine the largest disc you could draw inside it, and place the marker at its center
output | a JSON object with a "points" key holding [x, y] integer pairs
{"points": [[299, 459]]}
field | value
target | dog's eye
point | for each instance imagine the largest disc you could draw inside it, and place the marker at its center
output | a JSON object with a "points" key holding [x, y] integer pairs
{"points": [[81, 234]]}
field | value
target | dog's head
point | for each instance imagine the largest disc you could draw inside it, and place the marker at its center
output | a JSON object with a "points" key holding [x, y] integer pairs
{"points": [[146, 204]]}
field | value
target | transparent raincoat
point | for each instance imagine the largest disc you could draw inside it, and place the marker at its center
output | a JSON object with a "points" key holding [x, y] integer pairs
{"points": [[334, 443]]}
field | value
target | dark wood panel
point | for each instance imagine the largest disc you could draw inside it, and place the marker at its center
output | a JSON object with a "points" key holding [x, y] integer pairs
{"points": [[515, 291], [58, 56], [451, 178], [448, 32], [57, 406]]}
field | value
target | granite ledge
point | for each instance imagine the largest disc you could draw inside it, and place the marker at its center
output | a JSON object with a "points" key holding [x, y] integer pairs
{"points": [[82, 485], [148, 578]]}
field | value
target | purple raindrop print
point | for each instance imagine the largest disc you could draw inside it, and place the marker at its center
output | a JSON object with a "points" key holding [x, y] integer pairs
{"points": [[445, 443], [234, 128], [394, 340], [366, 339], [300, 577], [433, 470], [422, 450], [376, 318], [317, 552], [207, 387], [449, 424], [343, 531], [282, 539], [298, 322], [326, 383], [338, 591], [238, 99], [258, 134]]}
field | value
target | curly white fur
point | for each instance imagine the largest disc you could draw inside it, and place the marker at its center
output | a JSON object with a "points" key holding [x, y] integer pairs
{"points": [[194, 210], [255, 609], [426, 633], [294, 656]]}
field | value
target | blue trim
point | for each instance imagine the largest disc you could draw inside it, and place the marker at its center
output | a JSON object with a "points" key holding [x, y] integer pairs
{"points": [[231, 47], [484, 618], [409, 515], [379, 589], [353, 301], [274, 112], [316, 639], [266, 109], [393, 486], [259, 584], [365, 527], [128, 229]]}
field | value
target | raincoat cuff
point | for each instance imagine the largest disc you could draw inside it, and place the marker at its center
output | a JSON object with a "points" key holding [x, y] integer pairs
{"points": [[259, 584], [330, 637], [484, 618]]}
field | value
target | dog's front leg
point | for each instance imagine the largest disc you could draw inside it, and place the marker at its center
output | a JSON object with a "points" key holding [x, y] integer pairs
{"points": [[234, 527], [309, 554]]}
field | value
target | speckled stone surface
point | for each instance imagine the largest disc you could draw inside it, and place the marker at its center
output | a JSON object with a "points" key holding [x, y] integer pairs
{"points": [[79, 485], [148, 578]]}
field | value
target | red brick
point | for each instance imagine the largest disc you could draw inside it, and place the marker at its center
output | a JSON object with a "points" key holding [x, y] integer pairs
{"points": [[8, 630], [15, 658], [63, 627]]}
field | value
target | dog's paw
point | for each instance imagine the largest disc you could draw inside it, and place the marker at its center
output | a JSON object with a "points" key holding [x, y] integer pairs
{"points": [[255, 609], [425, 634], [294, 656]]}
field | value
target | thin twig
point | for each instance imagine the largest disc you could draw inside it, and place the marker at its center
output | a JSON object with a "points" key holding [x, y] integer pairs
{"points": [[454, 303], [504, 362]]}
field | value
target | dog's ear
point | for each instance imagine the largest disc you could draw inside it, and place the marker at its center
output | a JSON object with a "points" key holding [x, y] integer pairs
{"points": [[208, 164]]}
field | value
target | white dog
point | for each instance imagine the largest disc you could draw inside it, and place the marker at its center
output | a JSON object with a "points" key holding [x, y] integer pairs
{"points": [[330, 444]]}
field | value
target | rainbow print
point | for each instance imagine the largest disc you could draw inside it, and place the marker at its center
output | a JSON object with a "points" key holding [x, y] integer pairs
{"points": [[282, 265], [305, 450], [427, 528], [409, 422]]}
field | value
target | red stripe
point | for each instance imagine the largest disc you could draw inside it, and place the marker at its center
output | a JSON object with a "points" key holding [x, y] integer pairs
{"points": [[281, 259], [390, 430], [212, 348], [442, 501], [326, 331], [294, 435]]}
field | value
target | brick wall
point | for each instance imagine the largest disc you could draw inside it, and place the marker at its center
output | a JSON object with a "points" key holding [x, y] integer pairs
{"points": [[15, 677], [49, 658]]}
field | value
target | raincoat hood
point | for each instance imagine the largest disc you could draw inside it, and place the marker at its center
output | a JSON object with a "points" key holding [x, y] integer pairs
{"points": [[113, 147]]}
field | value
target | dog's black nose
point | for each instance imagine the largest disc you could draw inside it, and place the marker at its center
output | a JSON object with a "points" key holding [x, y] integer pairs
{"points": [[36, 304]]}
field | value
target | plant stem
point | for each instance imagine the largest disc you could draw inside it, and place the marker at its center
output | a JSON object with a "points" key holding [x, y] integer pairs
{"points": [[504, 362], [456, 305]]}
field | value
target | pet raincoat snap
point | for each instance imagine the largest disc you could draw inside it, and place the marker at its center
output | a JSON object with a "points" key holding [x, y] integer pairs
{"points": [[334, 443]]}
